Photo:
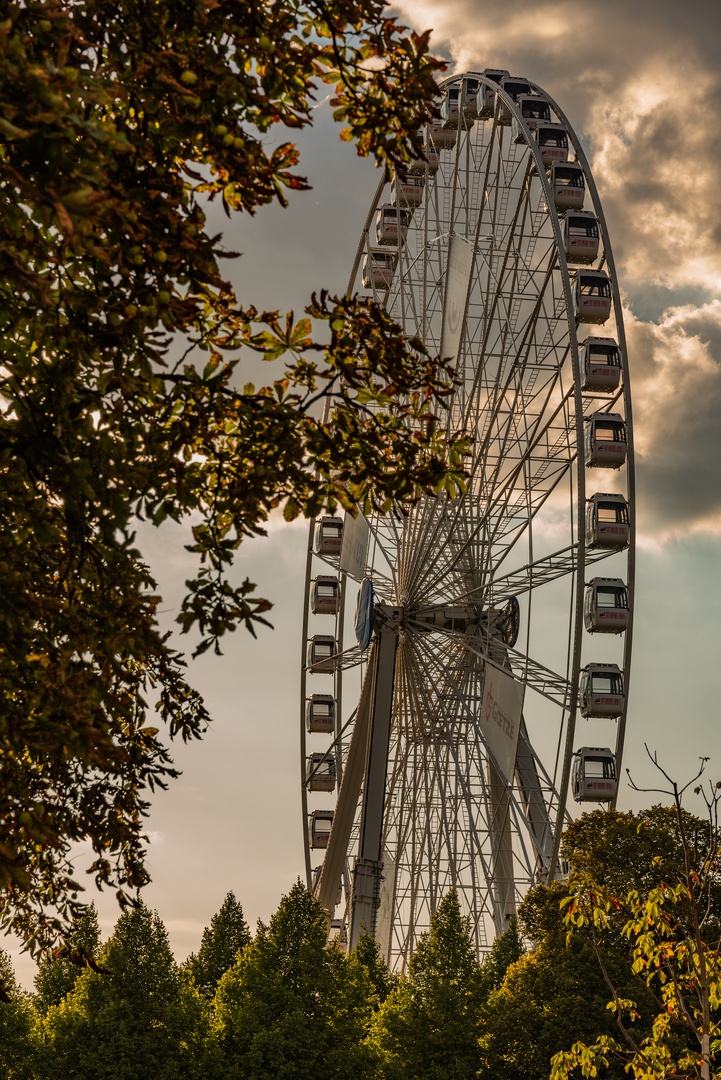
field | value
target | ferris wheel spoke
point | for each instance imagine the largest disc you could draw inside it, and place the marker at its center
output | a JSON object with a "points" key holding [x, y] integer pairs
{"points": [[473, 812], [482, 750], [438, 778], [543, 571], [483, 456], [530, 672]]}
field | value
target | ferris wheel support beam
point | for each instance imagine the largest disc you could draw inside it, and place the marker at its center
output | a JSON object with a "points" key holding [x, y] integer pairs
{"points": [[534, 804], [348, 796], [365, 897]]}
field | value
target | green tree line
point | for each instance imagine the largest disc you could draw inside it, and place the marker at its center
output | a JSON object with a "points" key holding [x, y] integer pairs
{"points": [[283, 1003]]}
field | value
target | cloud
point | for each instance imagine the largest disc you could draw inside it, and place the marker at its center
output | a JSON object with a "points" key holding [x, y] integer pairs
{"points": [[641, 86], [677, 402]]}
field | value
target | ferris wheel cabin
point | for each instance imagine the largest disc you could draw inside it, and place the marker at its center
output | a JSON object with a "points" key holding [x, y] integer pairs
{"points": [[378, 267], [601, 365], [329, 536], [593, 778], [568, 185], [391, 225], [592, 296], [407, 191], [451, 107], [470, 87], [486, 97], [605, 441], [320, 772], [552, 142], [605, 606], [432, 161], [580, 237], [607, 521], [320, 714], [439, 137], [515, 88], [534, 110], [601, 692], [320, 823], [322, 652], [325, 595]]}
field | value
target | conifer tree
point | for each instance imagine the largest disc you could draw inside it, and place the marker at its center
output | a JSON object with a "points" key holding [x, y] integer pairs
{"points": [[427, 1029], [222, 941], [505, 950], [18, 1031], [367, 951], [292, 1007], [144, 1021], [57, 977]]}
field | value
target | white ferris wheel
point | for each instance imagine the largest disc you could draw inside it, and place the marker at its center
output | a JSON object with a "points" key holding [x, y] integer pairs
{"points": [[486, 670]]}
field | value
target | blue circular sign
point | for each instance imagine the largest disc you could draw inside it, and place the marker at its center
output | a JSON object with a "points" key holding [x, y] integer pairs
{"points": [[364, 614]]}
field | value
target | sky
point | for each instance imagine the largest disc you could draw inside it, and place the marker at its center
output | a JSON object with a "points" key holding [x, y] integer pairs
{"points": [[640, 82]]}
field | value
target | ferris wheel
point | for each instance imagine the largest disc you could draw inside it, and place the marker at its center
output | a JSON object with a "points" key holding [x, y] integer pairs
{"points": [[485, 671]]}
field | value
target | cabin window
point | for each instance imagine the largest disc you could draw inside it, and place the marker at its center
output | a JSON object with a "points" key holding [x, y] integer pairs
{"points": [[609, 597], [599, 768], [612, 511], [326, 591], [515, 89], [595, 287], [549, 137], [607, 355], [569, 177], [582, 227], [610, 432], [603, 683], [321, 709], [535, 110]]}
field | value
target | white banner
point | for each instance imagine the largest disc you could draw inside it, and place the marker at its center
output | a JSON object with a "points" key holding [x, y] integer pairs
{"points": [[460, 264], [385, 909], [501, 718], [354, 552]]}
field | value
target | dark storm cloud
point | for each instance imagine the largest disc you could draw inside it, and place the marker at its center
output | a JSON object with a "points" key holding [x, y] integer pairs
{"points": [[677, 404], [641, 85]]}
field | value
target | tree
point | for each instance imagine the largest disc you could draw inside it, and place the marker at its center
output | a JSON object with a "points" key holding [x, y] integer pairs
{"points": [[143, 1019], [647, 846], [120, 343], [293, 1006], [368, 953], [222, 942], [18, 1033], [428, 1027], [673, 957], [57, 976], [551, 997], [505, 950]]}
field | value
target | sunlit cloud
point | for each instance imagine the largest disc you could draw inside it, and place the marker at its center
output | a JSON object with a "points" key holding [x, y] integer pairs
{"points": [[641, 85]]}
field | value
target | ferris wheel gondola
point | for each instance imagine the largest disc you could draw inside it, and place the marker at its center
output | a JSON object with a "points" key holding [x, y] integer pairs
{"points": [[455, 712]]}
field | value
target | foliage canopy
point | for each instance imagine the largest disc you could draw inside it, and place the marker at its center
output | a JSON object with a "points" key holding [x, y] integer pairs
{"points": [[120, 399]]}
